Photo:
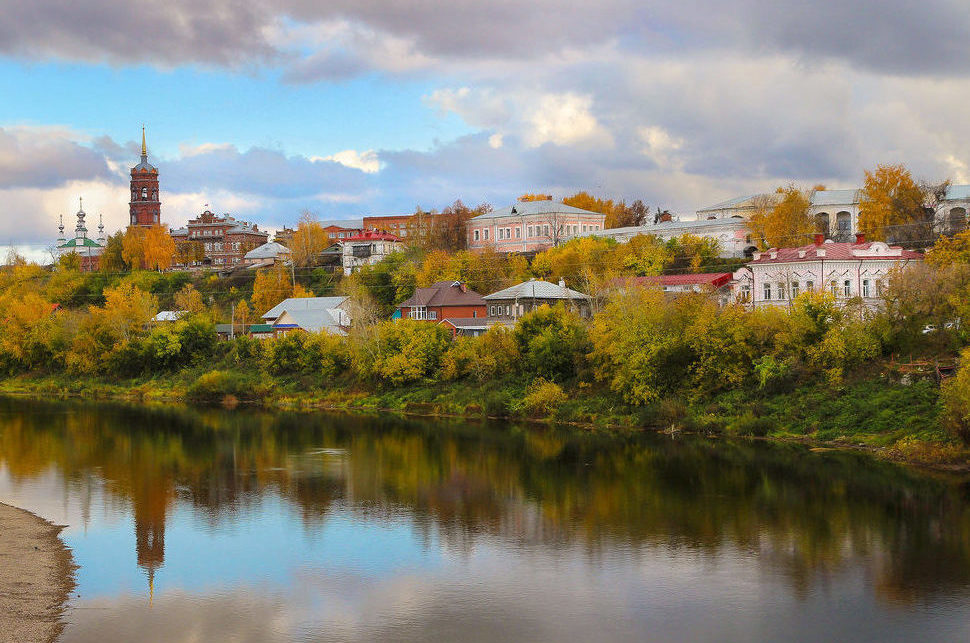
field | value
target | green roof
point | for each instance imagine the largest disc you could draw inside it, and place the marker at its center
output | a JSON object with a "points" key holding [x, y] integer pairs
{"points": [[88, 243], [260, 328]]}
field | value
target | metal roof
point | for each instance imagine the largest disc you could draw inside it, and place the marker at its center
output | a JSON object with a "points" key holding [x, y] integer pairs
{"points": [[443, 293], [958, 192], [524, 208], [303, 303], [269, 250], [536, 289]]}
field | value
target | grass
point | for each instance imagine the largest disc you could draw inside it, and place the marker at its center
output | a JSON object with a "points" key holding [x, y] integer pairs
{"points": [[900, 421]]}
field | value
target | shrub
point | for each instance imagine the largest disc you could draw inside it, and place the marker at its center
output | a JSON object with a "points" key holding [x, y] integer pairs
{"points": [[482, 358], [400, 352], [955, 395], [543, 398], [298, 353], [216, 386], [552, 342], [750, 424]]}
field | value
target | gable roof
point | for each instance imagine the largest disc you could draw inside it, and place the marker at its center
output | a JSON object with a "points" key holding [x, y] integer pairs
{"points": [[312, 320], [536, 289], [304, 304], [268, 250], [444, 293], [522, 208]]}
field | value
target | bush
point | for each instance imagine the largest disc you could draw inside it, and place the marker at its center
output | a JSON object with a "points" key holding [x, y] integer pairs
{"points": [[955, 395], [543, 398], [553, 342], [750, 424], [298, 353], [400, 352], [482, 358], [224, 387]]}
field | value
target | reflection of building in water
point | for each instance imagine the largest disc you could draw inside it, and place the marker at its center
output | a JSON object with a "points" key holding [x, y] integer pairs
{"points": [[151, 499]]}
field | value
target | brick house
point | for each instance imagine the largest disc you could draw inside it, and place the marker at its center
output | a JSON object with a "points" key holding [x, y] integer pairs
{"points": [[225, 240], [443, 300], [396, 224]]}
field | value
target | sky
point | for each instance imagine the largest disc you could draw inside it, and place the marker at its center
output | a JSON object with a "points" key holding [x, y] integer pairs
{"points": [[346, 108]]}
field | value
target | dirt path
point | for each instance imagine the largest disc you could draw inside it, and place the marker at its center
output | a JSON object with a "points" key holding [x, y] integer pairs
{"points": [[36, 577]]}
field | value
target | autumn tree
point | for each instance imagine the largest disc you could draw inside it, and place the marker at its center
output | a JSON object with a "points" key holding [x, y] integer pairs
{"points": [[782, 219], [188, 252], [587, 264], [891, 206], [445, 230], [309, 240], [158, 248], [189, 299], [133, 247], [535, 197], [271, 286]]}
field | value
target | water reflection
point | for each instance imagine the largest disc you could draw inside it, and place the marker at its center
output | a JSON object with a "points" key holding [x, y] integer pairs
{"points": [[423, 524]]}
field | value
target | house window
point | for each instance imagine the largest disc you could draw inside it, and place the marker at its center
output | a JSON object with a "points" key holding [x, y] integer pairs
{"points": [[508, 311], [746, 292], [508, 233], [500, 234], [485, 234], [781, 290], [584, 227], [530, 231], [545, 231], [767, 292], [474, 314], [476, 235], [809, 285], [878, 285], [865, 287], [847, 288], [794, 289], [518, 233], [834, 288]]}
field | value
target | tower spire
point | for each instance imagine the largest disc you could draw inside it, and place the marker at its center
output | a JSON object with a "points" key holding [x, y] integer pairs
{"points": [[144, 148]]}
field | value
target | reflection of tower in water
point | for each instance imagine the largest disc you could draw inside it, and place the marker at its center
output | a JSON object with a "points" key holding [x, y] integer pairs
{"points": [[151, 499]]}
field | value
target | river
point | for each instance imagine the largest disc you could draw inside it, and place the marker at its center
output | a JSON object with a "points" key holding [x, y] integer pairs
{"points": [[195, 525]]}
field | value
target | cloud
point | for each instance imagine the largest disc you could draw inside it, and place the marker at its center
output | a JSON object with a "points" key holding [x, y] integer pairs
{"points": [[227, 33], [565, 119], [46, 157], [366, 161]]}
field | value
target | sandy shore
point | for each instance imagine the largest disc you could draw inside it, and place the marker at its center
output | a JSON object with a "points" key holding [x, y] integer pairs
{"points": [[36, 577]]}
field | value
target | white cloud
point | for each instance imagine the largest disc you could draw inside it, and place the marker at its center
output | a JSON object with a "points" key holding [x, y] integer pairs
{"points": [[566, 119], [366, 161], [186, 149], [660, 147], [495, 141]]}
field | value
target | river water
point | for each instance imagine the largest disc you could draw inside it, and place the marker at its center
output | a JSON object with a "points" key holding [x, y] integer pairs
{"points": [[242, 526]]}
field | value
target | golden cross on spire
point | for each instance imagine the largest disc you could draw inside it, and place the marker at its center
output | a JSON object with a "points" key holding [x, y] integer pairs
{"points": [[144, 149]]}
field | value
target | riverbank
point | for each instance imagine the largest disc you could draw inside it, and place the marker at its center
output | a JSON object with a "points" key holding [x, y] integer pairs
{"points": [[891, 419], [36, 577]]}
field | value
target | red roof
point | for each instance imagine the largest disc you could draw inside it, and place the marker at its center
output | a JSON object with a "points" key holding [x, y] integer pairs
{"points": [[444, 293], [837, 252], [712, 279], [370, 235]]}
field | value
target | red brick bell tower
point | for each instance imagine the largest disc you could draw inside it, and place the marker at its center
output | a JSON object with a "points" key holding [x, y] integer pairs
{"points": [[145, 208]]}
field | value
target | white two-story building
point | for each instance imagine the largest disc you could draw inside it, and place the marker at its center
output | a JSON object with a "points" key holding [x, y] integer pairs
{"points": [[847, 270]]}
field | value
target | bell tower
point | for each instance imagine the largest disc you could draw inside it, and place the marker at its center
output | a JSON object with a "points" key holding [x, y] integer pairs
{"points": [[145, 208]]}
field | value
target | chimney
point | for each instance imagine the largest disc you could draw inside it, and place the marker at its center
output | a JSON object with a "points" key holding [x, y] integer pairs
{"points": [[666, 217], [562, 282], [819, 239], [860, 237]]}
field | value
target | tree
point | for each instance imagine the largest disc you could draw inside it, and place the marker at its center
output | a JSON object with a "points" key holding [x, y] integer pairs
{"points": [[691, 253], [309, 240], [158, 248], [189, 299], [445, 230], [891, 206], [271, 286], [535, 197], [188, 252], [782, 219], [588, 264], [950, 250], [133, 247], [112, 257]]}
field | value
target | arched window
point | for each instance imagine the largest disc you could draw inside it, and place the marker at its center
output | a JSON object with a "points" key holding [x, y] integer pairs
{"points": [[154, 195], [144, 193]]}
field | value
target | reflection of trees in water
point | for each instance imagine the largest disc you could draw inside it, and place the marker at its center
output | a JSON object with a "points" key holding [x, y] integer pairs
{"points": [[808, 516]]}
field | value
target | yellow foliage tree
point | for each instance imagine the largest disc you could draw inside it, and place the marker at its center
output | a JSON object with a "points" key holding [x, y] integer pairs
{"points": [[309, 239], [535, 197], [271, 286], [133, 247], [189, 299], [890, 203], [159, 248], [782, 219], [587, 264], [950, 250]]}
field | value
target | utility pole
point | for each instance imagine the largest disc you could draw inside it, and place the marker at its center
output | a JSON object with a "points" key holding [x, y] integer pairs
{"points": [[232, 322]]}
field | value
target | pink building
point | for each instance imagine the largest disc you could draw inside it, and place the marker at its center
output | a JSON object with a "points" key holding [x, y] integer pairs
{"points": [[530, 225]]}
